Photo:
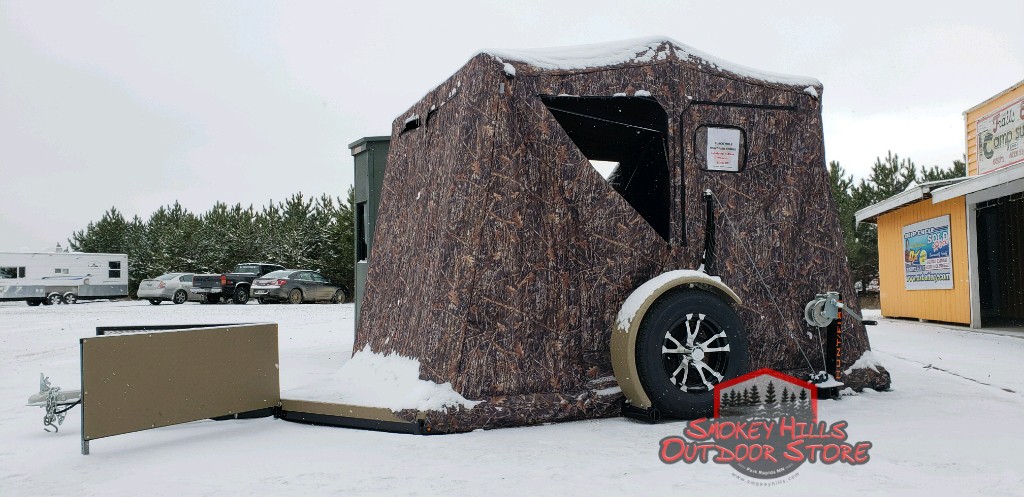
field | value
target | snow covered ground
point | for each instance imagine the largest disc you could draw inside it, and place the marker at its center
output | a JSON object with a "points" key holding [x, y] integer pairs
{"points": [[953, 424]]}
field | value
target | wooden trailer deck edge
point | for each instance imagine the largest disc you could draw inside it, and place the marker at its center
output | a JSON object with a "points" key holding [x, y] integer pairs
{"points": [[349, 416]]}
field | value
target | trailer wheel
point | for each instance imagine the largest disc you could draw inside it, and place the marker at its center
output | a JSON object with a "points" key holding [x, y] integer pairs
{"points": [[180, 297], [689, 341], [154, 301], [212, 298], [33, 303], [70, 298], [241, 295], [53, 298], [295, 296]]}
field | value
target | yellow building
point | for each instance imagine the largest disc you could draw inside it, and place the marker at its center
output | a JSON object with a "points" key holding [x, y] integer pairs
{"points": [[953, 250]]}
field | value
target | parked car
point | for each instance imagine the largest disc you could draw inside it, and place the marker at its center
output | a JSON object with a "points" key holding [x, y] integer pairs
{"points": [[234, 285], [175, 287], [297, 286]]}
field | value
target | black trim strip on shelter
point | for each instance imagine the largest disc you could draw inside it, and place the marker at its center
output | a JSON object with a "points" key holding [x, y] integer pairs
{"points": [[744, 105]]}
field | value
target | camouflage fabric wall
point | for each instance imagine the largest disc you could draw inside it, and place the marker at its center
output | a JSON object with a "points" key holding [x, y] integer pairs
{"points": [[502, 257]]}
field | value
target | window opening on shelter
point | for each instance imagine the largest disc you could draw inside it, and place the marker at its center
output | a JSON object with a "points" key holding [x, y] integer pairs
{"points": [[629, 131]]}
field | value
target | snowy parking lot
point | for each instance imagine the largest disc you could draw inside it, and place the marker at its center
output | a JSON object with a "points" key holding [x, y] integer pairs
{"points": [[951, 425]]}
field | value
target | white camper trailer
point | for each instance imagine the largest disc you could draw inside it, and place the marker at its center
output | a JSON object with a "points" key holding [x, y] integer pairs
{"points": [[62, 277]]}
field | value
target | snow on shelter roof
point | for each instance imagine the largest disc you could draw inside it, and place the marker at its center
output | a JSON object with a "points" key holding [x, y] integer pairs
{"points": [[642, 50]]}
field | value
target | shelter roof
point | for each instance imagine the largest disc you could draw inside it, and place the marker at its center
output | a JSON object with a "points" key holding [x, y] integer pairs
{"points": [[635, 51]]}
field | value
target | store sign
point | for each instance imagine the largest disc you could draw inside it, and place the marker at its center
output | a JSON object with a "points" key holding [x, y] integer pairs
{"points": [[723, 153], [765, 427], [1001, 137], [927, 260]]}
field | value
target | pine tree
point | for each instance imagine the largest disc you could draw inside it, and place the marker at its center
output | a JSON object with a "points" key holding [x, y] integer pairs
{"points": [[888, 177], [212, 253], [769, 397], [105, 236], [804, 401], [724, 402], [936, 173]]}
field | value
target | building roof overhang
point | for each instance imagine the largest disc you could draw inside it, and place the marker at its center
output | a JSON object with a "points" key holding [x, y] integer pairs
{"points": [[997, 183], [978, 183], [909, 196]]}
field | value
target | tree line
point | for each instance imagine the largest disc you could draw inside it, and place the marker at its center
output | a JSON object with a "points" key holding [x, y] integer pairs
{"points": [[309, 233], [889, 176], [299, 232], [749, 401]]}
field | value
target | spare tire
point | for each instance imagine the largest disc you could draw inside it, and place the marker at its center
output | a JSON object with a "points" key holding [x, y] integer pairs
{"points": [[689, 341]]}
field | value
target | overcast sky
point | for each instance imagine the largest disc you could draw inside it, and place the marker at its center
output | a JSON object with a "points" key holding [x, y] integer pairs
{"points": [[137, 104]]}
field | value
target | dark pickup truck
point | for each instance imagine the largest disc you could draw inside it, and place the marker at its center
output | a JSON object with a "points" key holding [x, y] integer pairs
{"points": [[234, 285]]}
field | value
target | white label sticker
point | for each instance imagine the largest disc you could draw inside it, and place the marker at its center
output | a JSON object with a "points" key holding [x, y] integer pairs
{"points": [[723, 153]]}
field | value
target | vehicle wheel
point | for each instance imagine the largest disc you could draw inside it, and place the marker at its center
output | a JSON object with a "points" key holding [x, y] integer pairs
{"points": [[241, 295], [295, 296], [262, 300], [180, 297], [33, 303], [53, 298], [212, 298], [688, 342], [154, 301], [70, 298], [339, 297]]}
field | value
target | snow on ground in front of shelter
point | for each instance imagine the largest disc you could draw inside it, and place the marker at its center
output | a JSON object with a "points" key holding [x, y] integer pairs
{"points": [[382, 380], [951, 425]]}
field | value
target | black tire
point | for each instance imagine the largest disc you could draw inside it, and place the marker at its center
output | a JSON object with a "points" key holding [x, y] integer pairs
{"points": [[180, 297], [154, 301], [53, 299], [241, 295], [681, 384], [212, 298], [295, 296], [69, 298], [339, 297], [263, 300], [33, 303]]}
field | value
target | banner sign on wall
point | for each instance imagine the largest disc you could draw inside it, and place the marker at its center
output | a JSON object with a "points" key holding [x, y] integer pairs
{"points": [[1001, 137], [927, 262]]}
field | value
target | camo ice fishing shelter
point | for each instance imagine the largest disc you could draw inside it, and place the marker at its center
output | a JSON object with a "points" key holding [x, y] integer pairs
{"points": [[503, 261]]}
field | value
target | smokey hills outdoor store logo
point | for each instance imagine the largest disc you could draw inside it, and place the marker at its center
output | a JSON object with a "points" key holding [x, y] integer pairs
{"points": [[765, 426]]}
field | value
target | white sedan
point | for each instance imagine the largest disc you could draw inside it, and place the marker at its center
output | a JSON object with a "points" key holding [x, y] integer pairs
{"points": [[174, 287]]}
